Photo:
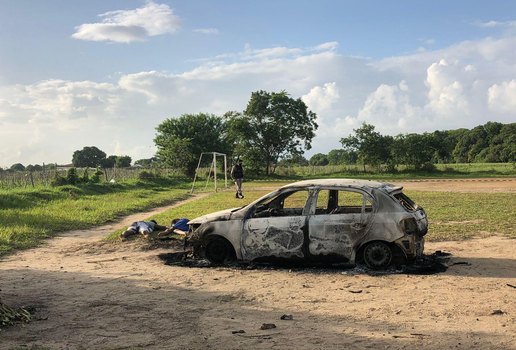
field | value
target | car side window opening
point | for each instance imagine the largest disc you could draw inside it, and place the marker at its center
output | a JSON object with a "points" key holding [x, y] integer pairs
{"points": [[284, 204], [342, 202]]}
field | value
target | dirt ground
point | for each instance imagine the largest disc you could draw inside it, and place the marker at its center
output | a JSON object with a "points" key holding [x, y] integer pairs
{"points": [[90, 295]]}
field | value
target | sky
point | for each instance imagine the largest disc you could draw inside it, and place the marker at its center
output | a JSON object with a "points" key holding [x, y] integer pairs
{"points": [[106, 73]]}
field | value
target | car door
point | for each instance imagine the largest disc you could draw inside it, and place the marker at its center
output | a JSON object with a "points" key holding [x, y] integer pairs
{"points": [[338, 221], [277, 227]]}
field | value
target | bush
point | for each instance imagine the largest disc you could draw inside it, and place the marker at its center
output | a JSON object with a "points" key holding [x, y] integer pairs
{"points": [[71, 176], [146, 175], [428, 167], [96, 176], [58, 181]]}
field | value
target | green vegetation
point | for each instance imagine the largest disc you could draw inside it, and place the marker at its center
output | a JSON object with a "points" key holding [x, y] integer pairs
{"points": [[30, 215], [456, 216], [452, 216]]}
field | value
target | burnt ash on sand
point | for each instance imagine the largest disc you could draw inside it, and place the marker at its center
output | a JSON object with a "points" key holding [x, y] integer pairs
{"points": [[426, 265]]}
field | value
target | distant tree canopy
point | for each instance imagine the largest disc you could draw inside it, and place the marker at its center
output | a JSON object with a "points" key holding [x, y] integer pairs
{"points": [[147, 163], [93, 157], [17, 167], [88, 157], [180, 141], [273, 126], [123, 161], [492, 142], [319, 159]]}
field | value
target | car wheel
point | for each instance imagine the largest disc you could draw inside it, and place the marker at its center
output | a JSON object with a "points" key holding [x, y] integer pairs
{"points": [[378, 255], [217, 250]]}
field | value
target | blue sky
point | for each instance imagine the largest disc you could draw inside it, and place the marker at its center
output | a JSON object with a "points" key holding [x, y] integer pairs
{"points": [[106, 73]]}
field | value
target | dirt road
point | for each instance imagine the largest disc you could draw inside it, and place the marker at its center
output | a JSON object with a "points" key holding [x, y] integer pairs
{"points": [[88, 295]]}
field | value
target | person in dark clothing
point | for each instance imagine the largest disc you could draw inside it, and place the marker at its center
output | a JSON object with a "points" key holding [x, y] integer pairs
{"points": [[237, 174]]}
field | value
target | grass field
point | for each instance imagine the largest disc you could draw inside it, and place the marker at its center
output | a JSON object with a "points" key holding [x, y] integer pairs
{"points": [[30, 215], [452, 216]]}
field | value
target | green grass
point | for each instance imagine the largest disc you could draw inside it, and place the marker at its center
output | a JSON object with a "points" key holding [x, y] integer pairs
{"points": [[456, 216], [30, 215], [468, 170], [452, 216]]}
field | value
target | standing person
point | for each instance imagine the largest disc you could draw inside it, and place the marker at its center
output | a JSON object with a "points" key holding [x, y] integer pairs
{"points": [[237, 174]]}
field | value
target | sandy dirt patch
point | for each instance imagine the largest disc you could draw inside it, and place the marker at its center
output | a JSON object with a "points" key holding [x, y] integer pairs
{"points": [[99, 296]]}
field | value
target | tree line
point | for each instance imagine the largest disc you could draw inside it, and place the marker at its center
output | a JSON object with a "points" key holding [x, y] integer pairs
{"points": [[275, 130], [492, 142]]}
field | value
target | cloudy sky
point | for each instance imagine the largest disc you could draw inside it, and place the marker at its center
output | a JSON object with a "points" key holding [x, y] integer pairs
{"points": [[105, 73]]}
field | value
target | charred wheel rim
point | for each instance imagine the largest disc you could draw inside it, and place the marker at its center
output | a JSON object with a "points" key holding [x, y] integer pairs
{"points": [[217, 250], [377, 255]]}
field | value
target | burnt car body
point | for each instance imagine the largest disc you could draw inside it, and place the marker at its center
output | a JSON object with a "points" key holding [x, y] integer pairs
{"points": [[327, 220]]}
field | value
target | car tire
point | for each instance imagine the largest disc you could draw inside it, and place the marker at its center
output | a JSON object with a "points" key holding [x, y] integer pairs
{"points": [[378, 255], [217, 250]]}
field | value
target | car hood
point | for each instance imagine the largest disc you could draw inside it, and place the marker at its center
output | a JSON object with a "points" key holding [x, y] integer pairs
{"points": [[216, 216]]}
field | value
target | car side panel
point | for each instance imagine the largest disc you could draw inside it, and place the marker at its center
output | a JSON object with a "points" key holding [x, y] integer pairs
{"points": [[279, 237]]}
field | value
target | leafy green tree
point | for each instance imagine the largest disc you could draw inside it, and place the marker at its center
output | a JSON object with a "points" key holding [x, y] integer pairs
{"points": [[293, 160], [319, 159], [88, 157], [272, 126], [371, 147], [340, 156], [17, 167], [123, 161], [180, 141], [108, 162], [413, 150]]}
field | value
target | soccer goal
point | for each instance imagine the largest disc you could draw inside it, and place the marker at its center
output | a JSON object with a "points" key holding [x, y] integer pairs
{"points": [[211, 166]]}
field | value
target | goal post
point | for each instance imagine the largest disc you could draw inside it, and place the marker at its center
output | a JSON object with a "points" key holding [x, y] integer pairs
{"points": [[212, 172]]}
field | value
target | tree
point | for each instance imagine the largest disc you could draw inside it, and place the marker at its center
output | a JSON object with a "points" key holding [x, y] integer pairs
{"points": [[371, 147], [17, 167], [340, 156], [147, 163], [414, 150], [272, 126], [291, 160], [108, 162], [180, 141], [88, 157], [123, 161], [319, 159]]}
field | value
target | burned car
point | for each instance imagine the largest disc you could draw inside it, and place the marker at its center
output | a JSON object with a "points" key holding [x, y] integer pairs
{"points": [[327, 220]]}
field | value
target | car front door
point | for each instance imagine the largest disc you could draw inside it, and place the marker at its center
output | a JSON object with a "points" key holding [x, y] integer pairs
{"points": [[338, 220], [276, 228]]}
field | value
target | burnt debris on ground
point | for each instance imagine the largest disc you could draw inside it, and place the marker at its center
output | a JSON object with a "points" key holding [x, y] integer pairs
{"points": [[425, 265]]}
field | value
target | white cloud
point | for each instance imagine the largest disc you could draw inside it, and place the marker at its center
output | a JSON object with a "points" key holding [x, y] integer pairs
{"points": [[502, 98], [125, 26], [208, 31], [321, 98], [461, 86]]}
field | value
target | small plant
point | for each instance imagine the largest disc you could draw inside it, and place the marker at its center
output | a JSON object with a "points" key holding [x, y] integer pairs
{"points": [[85, 177], [58, 180], [146, 175], [96, 176], [71, 176]]}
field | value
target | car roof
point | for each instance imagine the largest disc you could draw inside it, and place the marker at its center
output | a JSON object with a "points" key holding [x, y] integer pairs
{"points": [[356, 183]]}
